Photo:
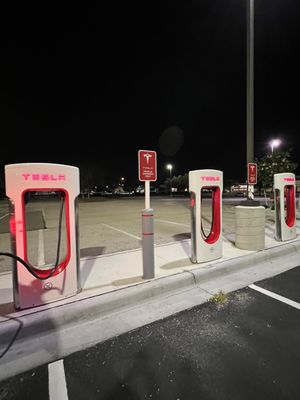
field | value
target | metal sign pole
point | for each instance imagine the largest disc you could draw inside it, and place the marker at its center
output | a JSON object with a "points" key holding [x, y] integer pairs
{"points": [[148, 236], [148, 243]]}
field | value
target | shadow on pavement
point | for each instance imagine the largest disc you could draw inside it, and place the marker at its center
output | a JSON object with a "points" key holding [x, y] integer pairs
{"points": [[182, 236], [177, 264], [128, 281], [92, 251], [185, 243]]}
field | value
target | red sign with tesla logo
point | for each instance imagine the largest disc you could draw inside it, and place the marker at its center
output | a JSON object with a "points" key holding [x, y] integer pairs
{"points": [[252, 174], [147, 165]]}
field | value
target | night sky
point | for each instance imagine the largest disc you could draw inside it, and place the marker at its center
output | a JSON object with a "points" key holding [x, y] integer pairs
{"points": [[124, 76]]}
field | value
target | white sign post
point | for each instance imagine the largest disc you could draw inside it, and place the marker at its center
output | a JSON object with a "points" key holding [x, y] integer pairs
{"points": [[147, 194]]}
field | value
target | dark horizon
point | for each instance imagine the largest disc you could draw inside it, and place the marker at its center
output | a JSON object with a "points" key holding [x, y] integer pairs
{"points": [[169, 77]]}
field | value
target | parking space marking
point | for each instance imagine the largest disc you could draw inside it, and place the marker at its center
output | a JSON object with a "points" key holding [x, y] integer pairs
{"points": [[275, 296], [41, 249], [57, 381], [119, 230], [3, 216], [171, 222]]}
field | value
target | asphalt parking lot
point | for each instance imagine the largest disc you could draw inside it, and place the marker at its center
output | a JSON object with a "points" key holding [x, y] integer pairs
{"points": [[108, 225], [241, 346]]}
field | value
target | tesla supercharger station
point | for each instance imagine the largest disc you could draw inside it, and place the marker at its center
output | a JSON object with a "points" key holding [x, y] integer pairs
{"points": [[35, 284], [206, 244], [285, 206]]}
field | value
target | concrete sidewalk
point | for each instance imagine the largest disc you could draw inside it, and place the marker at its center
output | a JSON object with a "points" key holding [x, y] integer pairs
{"points": [[115, 298], [111, 272]]}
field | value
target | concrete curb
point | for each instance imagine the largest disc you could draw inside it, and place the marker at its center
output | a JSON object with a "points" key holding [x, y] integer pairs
{"points": [[43, 322], [248, 261]]}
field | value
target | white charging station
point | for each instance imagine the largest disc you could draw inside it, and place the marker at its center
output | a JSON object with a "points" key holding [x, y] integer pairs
{"points": [[205, 183], [285, 206], [42, 283]]}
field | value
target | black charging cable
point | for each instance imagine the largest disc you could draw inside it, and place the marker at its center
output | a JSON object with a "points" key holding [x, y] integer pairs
{"points": [[56, 265]]}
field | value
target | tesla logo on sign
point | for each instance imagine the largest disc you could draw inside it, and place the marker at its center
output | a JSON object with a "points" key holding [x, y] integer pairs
{"points": [[210, 178], [44, 177], [288, 179], [147, 165], [252, 174]]}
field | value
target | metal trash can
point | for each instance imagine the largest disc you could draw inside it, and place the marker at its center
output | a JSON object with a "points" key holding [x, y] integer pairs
{"points": [[250, 227]]}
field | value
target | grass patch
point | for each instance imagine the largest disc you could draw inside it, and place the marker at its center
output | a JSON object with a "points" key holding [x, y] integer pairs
{"points": [[219, 298]]}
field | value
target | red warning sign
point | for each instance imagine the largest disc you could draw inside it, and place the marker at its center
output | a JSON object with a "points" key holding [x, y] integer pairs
{"points": [[147, 165], [252, 174]]}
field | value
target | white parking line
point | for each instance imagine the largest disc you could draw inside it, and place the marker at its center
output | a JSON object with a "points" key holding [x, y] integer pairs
{"points": [[170, 222], [276, 296], [41, 249], [57, 381], [5, 215], [119, 230]]}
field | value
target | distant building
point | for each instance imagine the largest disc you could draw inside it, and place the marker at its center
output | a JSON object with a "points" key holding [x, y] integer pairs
{"points": [[239, 190]]}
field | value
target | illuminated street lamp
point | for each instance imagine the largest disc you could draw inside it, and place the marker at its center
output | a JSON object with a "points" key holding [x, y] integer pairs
{"points": [[275, 143], [170, 167]]}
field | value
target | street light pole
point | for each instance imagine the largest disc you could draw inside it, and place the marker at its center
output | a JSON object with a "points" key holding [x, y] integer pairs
{"points": [[250, 91], [250, 81]]}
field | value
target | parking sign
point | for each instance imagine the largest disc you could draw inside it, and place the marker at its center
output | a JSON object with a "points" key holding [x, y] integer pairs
{"points": [[252, 174], [147, 165]]}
